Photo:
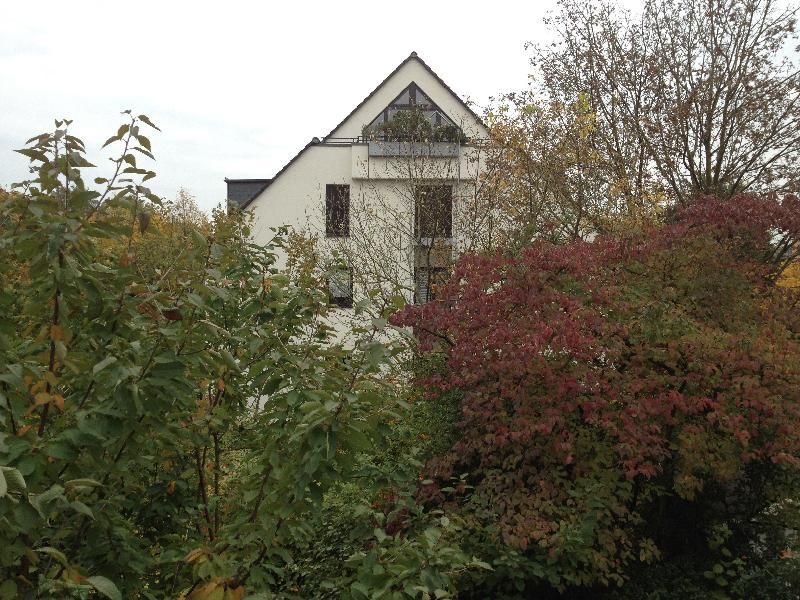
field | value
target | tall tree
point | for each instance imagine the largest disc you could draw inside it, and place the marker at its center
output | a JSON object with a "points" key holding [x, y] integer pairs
{"points": [[690, 96], [545, 177]]}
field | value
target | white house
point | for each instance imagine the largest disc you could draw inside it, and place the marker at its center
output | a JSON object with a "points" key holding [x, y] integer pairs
{"points": [[390, 187]]}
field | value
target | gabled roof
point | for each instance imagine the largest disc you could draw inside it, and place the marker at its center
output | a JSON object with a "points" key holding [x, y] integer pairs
{"points": [[412, 56]]}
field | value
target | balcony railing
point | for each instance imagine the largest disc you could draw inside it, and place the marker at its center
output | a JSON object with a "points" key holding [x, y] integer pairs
{"points": [[447, 149], [399, 148]]}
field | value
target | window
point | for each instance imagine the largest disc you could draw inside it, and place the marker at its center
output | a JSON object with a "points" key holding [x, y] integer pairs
{"points": [[340, 287], [426, 280], [337, 210], [413, 116], [433, 213]]}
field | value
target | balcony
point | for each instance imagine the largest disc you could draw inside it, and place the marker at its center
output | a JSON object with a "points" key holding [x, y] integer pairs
{"points": [[446, 149], [379, 147], [394, 160]]}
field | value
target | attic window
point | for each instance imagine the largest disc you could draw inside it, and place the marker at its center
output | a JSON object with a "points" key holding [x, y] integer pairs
{"points": [[413, 116]]}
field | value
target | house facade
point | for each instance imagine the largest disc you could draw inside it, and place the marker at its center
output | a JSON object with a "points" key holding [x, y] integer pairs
{"points": [[389, 194]]}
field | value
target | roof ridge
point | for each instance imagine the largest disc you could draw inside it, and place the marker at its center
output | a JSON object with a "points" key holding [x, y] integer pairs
{"points": [[412, 56], [315, 141]]}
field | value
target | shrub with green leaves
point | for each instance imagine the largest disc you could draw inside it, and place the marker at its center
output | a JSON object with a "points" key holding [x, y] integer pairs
{"points": [[166, 426]]}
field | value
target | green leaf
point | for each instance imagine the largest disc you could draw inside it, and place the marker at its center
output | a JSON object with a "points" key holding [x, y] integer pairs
{"points": [[40, 501], [111, 140], [229, 360], [143, 151], [379, 534], [81, 508], [103, 364], [33, 154], [359, 590], [144, 119], [105, 587], [3, 484], [144, 141], [73, 483], [54, 553], [14, 480]]}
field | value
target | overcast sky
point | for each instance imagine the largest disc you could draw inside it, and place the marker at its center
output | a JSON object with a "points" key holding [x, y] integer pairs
{"points": [[236, 87]]}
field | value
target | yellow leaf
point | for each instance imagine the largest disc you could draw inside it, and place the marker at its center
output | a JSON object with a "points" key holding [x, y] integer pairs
{"points": [[236, 593], [211, 590], [790, 278], [195, 555], [41, 398]]}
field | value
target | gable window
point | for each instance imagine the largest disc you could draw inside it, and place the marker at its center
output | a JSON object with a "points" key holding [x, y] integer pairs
{"points": [[340, 287], [414, 117], [433, 211], [426, 280], [337, 210]]}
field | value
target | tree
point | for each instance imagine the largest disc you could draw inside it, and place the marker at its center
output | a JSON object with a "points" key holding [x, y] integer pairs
{"points": [[692, 96], [169, 425], [625, 400], [545, 179]]}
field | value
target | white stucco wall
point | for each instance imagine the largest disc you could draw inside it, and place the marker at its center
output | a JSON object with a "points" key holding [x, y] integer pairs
{"points": [[299, 193], [296, 197]]}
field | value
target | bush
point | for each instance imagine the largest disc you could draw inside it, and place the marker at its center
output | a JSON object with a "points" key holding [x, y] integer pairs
{"points": [[624, 401], [172, 406]]}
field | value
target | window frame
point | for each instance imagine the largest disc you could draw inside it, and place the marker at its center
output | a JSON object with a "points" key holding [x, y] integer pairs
{"points": [[431, 295], [441, 119], [420, 232], [334, 192], [344, 301]]}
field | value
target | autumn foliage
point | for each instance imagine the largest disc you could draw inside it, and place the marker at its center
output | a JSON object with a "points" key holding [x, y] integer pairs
{"points": [[622, 397]]}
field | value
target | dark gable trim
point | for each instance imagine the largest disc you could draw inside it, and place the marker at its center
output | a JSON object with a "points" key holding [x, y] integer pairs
{"points": [[412, 56], [315, 141]]}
